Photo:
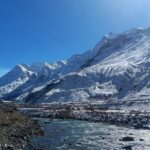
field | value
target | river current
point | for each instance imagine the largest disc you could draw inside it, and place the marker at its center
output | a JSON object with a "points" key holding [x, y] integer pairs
{"points": [[83, 135]]}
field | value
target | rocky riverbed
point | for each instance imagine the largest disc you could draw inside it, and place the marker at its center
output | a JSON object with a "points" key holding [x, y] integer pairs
{"points": [[91, 112], [73, 126]]}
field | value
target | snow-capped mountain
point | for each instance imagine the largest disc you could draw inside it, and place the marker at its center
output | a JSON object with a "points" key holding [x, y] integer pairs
{"points": [[13, 79], [118, 67]]}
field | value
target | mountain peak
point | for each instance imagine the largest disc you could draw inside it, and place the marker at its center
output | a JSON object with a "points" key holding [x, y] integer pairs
{"points": [[21, 67], [111, 35]]}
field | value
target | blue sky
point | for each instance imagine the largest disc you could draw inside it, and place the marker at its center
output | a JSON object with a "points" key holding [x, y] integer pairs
{"points": [[50, 30]]}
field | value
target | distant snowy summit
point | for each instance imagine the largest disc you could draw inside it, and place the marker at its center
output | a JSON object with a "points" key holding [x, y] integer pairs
{"points": [[117, 68]]}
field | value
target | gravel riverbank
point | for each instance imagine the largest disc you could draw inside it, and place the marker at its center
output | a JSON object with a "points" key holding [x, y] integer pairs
{"points": [[91, 112]]}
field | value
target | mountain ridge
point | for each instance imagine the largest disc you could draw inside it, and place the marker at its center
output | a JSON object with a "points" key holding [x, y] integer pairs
{"points": [[116, 68]]}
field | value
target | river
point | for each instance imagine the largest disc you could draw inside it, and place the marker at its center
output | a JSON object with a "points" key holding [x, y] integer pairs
{"points": [[82, 135]]}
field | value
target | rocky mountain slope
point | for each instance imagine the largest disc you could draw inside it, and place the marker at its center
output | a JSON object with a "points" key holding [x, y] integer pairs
{"points": [[117, 68]]}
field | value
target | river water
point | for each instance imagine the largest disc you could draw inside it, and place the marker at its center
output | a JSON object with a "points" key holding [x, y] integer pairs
{"points": [[82, 135]]}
